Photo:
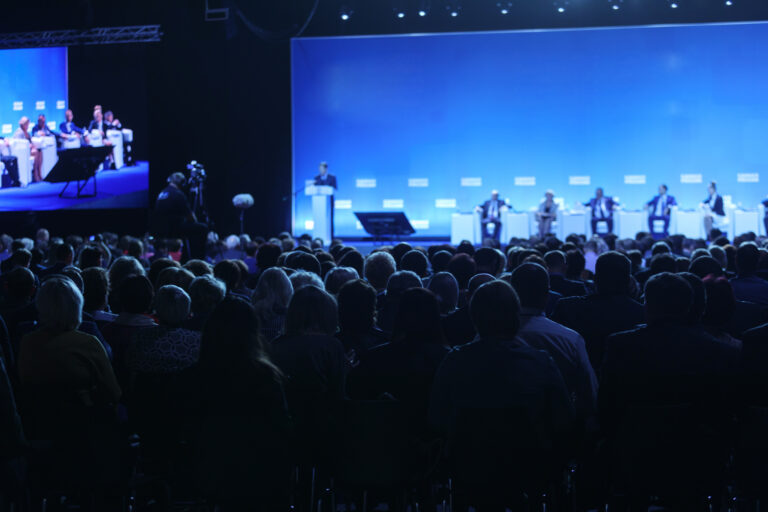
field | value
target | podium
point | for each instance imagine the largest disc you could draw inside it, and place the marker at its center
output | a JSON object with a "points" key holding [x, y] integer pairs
{"points": [[322, 215]]}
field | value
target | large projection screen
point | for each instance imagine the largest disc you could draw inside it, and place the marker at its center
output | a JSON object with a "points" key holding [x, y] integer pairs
{"points": [[429, 124]]}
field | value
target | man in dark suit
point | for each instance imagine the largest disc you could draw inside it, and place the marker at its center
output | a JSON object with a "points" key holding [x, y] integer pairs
{"points": [[41, 128], [747, 286], [666, 361], [602, 210], [68, 128], [98, 123], [498, 370], [491, 215], [660, 208], [64, 255], [557, 265], [324, 178], [608, 311], [713, 209]]}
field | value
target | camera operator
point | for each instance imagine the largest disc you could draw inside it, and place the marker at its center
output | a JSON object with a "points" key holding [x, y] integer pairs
{"points": [[173, 217]]}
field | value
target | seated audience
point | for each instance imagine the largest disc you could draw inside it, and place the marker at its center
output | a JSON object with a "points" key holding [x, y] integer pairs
{"points": [[557, 266], [746, 285], [566, 347], [205, 293], [337, 276], [719, 310], [446, 288], [244, 432], [270, 300], [666, 361], [458, 326], [357, 318], [415, 261], [397, 284], [498, 370], [167, 347], [609, 310]]}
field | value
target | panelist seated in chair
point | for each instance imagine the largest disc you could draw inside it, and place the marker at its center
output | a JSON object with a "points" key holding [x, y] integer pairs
{"points": [[660, 208], [22, 132], [41, 128], [68, 129], [112, 122], [490, 219], [547, 213], [602, 207], [99, 124], [714, 213]]}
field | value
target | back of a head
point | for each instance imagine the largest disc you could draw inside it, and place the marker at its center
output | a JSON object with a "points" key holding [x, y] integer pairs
{"points": [[495, 311], [73, 273], [699, 297], [612, 273], [172, 305], [123, 267], [635, 257], [555, 261], [267, 255], [176, 276], [21, 258], [300, 260], [417, 319], [59, 305], [274, 289], [465, 247], [229, 273], [21, 283], [353, 259], [378, 267], [704, 266], [415, 261], [302, 278], [399, 250], [488, 261], [747, 259], [660, 247], [158, 266], [199, 268], [718, 253], [439, 261], [336, 277], [95, 288], [205, 293], [477, 281], [575, 263], [531, 282], [231, 338], [135, 294], [721, 302], [463, 267], [401, 281], [446, 288], [357, 306], [668, 298], [90, 257], [663, 262], [311, 311]]}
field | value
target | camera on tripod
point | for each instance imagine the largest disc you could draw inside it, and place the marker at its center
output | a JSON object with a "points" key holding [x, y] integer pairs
{"points": [[196, 173]]}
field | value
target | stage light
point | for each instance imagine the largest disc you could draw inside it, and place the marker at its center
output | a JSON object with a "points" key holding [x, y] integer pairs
{"points": [[422, 13], [673, 4], [453, 9], [424, 6], [728, 3], [345, 13], [615, 4], [504, 7], [561, 5], [400, 14], [561, 9]]}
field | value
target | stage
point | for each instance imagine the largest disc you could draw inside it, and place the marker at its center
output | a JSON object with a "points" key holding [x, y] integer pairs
{"points": [[123, 188]]}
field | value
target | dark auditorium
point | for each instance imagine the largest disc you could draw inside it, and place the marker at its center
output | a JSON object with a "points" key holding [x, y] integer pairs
{"points": [[384, 256]]}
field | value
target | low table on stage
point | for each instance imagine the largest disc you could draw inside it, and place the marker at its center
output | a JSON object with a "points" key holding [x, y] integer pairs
{"points": [[78, 165]]}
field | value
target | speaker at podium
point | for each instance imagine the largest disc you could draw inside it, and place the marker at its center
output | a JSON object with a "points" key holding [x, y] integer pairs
{"points": [[322, 211]]}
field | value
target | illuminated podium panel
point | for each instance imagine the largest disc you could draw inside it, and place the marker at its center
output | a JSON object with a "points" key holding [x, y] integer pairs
{"points": [[628, 222]]}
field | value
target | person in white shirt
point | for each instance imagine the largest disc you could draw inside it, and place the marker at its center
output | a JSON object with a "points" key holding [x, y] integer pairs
{"points": [[602, 207]]}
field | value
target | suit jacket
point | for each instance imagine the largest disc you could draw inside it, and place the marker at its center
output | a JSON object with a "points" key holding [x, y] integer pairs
{"points": [[93, 125], [68, 128], [41, 132], [596, 317], [718, 208], [594, 206], [566, 287], [751, 289], [665, 364], [670, 202], [328, 180], [486, 207]]}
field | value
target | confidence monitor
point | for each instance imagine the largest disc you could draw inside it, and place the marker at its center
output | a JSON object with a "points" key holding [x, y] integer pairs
{"points": [[384, 224]]}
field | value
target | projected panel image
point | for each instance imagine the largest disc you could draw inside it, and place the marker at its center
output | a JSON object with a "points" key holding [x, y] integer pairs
{"points": [[430, 124], [53, 157]]}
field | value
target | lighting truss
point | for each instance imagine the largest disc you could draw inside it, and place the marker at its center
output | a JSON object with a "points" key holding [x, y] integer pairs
{"points": [[101, 35]]}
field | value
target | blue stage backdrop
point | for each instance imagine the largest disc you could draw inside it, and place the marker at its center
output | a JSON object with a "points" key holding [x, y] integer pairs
{"points": [[32, 82], [429, 124]]}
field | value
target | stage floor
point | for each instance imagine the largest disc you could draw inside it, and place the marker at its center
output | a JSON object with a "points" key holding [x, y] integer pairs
{"points": [[124, 188]]}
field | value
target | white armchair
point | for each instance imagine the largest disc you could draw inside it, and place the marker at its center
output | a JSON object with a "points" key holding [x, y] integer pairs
{"points": [[20, 148]]}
